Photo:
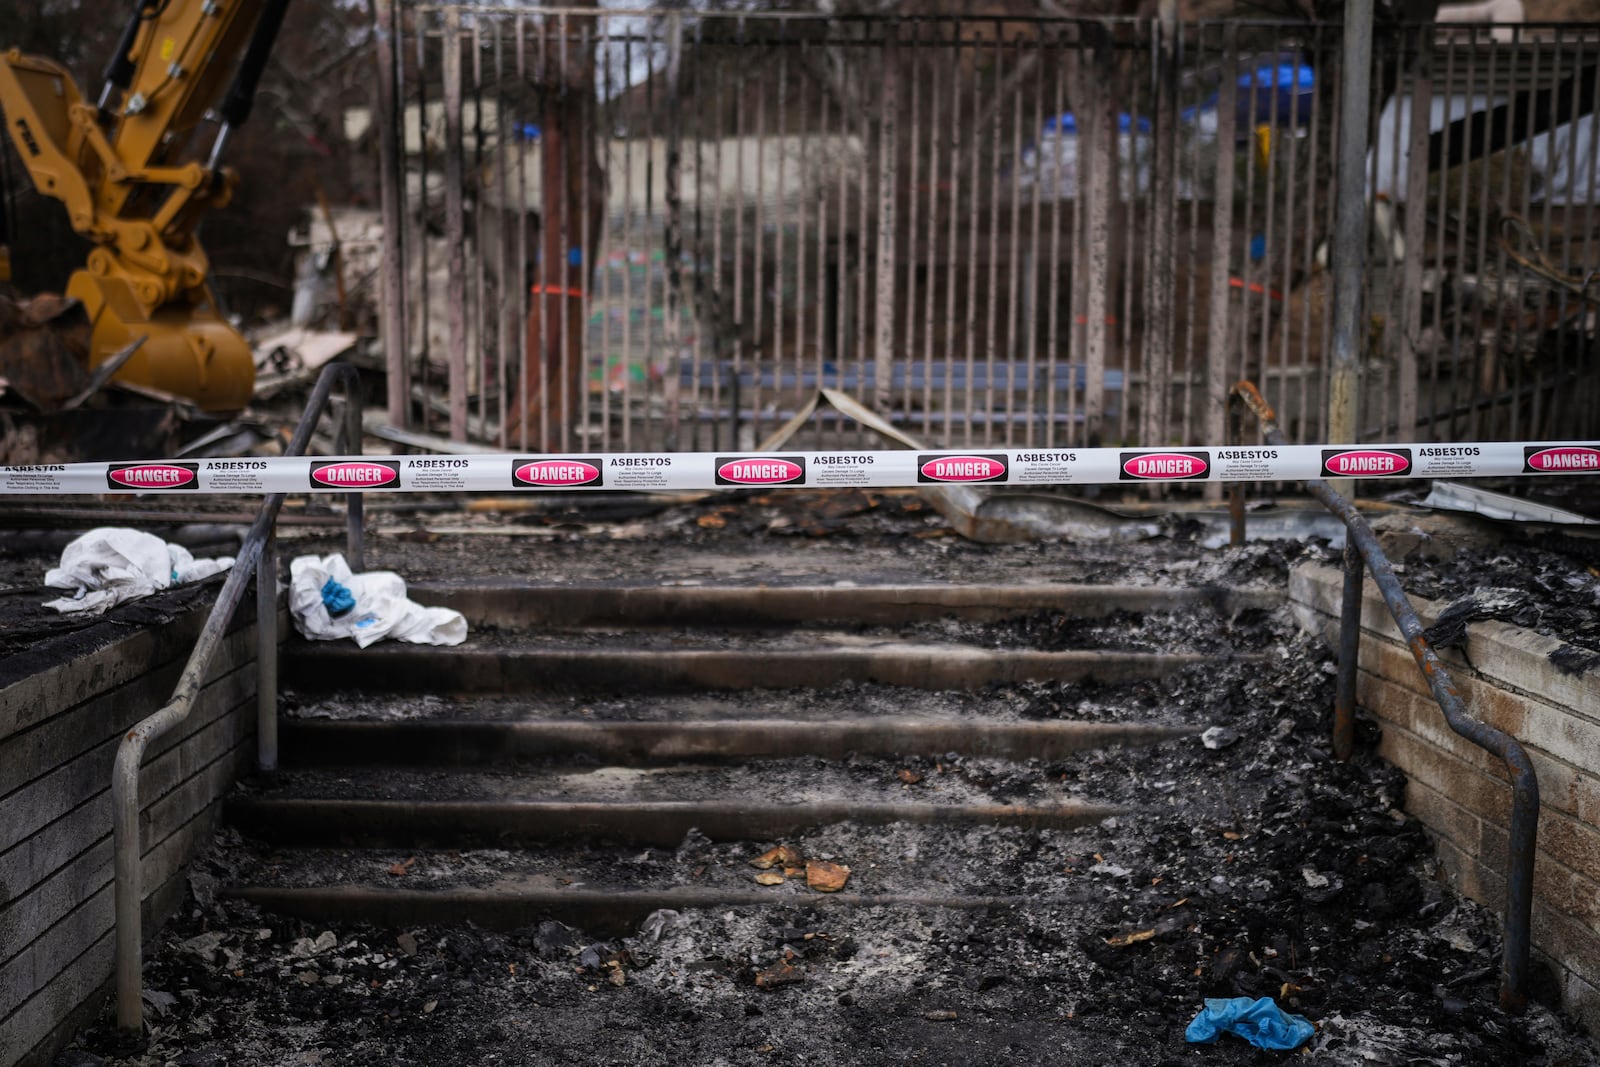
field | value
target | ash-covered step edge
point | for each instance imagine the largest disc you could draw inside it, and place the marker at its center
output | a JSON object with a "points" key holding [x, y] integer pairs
{"points": [[513, 605], [649, 806], [601, 912], [469, 743], [533, 666]]}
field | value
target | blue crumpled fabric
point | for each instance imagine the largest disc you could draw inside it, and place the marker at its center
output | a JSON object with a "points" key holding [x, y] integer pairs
{"points": [[1260, 1022], [337, 598]]}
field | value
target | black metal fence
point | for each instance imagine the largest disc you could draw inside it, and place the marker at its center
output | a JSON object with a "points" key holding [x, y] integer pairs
{"points": [[665, 230]]}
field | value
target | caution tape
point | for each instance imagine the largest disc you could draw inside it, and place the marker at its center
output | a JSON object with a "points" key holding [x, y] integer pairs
{"points": [[652, 471]]}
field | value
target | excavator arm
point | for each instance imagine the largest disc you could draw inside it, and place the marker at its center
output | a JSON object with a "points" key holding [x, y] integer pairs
{"points": [[128, 170]]}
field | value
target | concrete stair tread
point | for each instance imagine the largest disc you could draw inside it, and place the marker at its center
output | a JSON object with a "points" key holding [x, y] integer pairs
{"points": [[775, 783], [813, 598], [529, 665], [459, 742], [850, 701]]}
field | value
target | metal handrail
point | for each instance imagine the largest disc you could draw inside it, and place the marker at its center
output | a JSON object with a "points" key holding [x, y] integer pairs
{"points": [[1363, 547], [257, 557]]}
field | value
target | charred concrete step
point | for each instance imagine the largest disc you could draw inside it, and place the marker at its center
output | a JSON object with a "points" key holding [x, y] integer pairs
{"points": [[610, 889], [602, 912], [628, 665], [479, 743], [657, 807], [518, 606]]}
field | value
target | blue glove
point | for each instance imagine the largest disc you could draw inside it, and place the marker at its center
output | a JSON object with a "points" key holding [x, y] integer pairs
{"points": [[336, 598], [1260, 1022]]}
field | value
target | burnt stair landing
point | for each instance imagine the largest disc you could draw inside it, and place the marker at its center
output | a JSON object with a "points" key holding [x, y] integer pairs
{"points": [[557, 764]]}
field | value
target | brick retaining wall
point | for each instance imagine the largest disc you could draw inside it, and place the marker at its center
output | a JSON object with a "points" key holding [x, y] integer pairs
{"points": [[1460, 792]]}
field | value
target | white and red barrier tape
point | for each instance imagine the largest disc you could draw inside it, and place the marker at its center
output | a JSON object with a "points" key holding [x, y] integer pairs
{"points": [[881, 469]]}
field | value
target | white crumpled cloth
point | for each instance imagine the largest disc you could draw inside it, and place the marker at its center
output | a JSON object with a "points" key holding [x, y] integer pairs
{"points": [[382, 609], [113, 564]]}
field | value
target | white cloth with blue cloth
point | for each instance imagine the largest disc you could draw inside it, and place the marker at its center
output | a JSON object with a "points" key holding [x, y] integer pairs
{"points": [[329, 602]]}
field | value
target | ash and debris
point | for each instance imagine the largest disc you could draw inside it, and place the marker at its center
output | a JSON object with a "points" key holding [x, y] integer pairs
{"points": [[1247, 864], [1552, 593], [1248, 861]]}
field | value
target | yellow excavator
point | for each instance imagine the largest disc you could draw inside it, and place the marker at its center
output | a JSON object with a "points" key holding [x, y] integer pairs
{"points": [[128, 170]]}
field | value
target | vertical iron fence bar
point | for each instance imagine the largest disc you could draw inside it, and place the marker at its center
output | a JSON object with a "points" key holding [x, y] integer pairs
{"points": [[822, 177], [1247, 273], [1309, 418], [569, 229], [844, 307], [672, 235], [627, 108], [762, 356], [1512, 315], [1053, 365], [1586, 400], [599, 272], [536, 371], [1560, 297], [930, 256], [974, 150], [507, 135], [991, 116], [951, 243], [1034, 433], [512, 378], [1456, 349], [1441, 362], [1535, 319], [1014, 238], [1191, 265], [474, 376], [1123, 209], [455, 226], [420, 221], [589, 241], [1416, 201], [1378, 290], [1483, 419], [1078, 312], [797, 152], [1102, 131], [780, 215], [915, 248], [1283, 249], [715, 316]]}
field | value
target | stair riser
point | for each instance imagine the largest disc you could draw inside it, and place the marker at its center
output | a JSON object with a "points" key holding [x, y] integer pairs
{"points": [[597, 912], [464, 671], [510, 606], [455, 743], [454, 824]]}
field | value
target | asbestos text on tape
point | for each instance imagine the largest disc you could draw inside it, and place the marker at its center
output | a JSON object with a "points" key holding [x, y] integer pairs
{"points": [[762, 470]]}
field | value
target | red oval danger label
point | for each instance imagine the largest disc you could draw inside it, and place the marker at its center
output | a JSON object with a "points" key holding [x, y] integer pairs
{"points": [[760, 472], [557, 472], [1365, 462], [354, 474], [962, 469], [1563, 459], [152, 476], [1164, 465]]}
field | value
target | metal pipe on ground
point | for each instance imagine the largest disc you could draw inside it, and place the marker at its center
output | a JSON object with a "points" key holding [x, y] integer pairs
{"points": [[128, 886], [1364, 546]]}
